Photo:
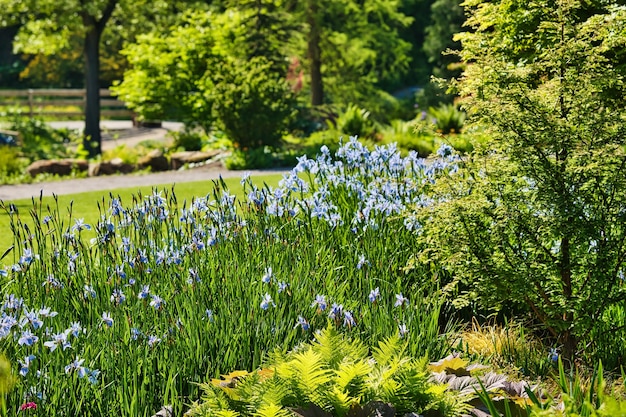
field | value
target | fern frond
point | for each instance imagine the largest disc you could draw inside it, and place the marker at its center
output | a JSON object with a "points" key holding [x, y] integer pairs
{"points": [[242, 390], [341, 401], [389, 350], [213, 397], [310, 369], [381, 384], [415, 393], [272, 391], [307, 374], [355, 349], [271, 410], [330, 346], [213, 401], [351, 376], [226, 413]]}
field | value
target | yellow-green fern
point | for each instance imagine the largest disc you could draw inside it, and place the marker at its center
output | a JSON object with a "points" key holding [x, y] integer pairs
{"points": [[389, 350], [272, 410], [351, 376], [333, 375]]}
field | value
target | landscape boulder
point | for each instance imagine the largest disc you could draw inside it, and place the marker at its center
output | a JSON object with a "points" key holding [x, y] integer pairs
{"points": [[179, 159], [155, 160], [57, 166], [114, 166]]}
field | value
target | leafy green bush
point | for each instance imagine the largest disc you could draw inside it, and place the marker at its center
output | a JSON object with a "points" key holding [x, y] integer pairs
{"points": [[200, 78], [384, 107], [127, 154], [39, 140], [333, 376], [354, 121], [253, 105], [316, 140], [257, 158], [534, 221], [404, 135], [188, 140], [169, 76], [447, 118], [10, 161]]}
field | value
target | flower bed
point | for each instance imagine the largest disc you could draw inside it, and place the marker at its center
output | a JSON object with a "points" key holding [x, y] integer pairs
{"points": [[169, 293]]}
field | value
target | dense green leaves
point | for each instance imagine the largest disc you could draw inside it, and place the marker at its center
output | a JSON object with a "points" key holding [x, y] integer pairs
{"points": [[195, 74], [359, 45], [333, 376], [536, 219], [169, 74], [347, 49], [252, 104]]}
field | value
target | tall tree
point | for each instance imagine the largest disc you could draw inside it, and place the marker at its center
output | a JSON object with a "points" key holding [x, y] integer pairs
{"points": [[269, 29], [415, 34], [48, 25], [350, 45], [10, 64], [447, 18], [313, 51]]}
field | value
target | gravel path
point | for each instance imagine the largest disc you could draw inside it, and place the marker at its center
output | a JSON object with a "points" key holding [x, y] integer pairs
{"points": [[125, 135], [73, 186]]}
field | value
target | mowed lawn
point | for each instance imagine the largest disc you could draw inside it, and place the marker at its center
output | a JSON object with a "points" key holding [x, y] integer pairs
{"points": [[85, 205]]}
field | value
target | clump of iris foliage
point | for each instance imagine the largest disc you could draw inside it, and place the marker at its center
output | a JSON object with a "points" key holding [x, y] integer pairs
{"points": [[123, 316]]}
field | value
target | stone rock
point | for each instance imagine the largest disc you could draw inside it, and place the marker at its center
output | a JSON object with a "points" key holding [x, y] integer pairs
{"points": [[155, 160], [114, 166], [179, 159], [56, 166]]}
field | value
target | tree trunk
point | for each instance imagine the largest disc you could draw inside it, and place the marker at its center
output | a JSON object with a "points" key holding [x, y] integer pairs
{"points": [[315, 54], [92, 138]]}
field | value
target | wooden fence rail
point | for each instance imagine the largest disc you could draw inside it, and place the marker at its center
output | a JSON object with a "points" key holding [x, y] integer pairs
{"points": [[49, 102]]}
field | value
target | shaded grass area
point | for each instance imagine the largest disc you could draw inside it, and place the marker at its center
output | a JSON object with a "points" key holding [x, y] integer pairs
{"points": [[85, 205]]}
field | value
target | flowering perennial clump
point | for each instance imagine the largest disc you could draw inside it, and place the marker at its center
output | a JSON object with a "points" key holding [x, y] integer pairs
{"points": [[215, 280]]}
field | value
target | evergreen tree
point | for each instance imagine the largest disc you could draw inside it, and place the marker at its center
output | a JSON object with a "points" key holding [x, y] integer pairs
{"points": [[269, 29], [350, 46]]}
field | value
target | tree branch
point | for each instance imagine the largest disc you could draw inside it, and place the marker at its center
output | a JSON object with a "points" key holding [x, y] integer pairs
{"points": [[106, 15]]}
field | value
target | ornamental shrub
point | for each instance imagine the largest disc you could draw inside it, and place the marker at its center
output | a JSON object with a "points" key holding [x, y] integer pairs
{"points": [[535, 218], [168, 78], [253, 105]]}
